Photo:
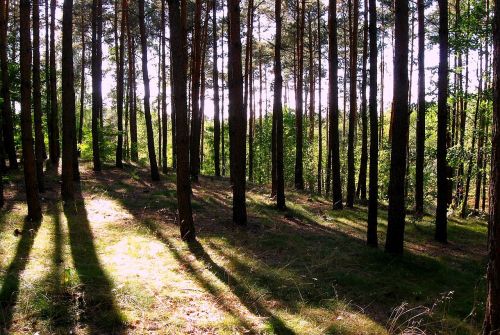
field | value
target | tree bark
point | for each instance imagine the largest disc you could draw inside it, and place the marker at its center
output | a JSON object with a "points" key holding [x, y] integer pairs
{"points": [[420, 138], [37, 98], [237, 116], [492, 311], [397, 208], [54, 146], [179, 81], [320, 122], [278, 111], [333, 60], [68, 103], [372, 238], [120, 84], [96, 80], [442, 165], [299, 134], [164, 116], [147, 108], [215, 73], [30, 177], [82, 85]]}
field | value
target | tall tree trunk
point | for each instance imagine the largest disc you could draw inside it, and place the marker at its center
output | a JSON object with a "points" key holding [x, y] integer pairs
{"points": [[419, 165], [247, 88], [333, 106], [164, 116], [82, 84], [68, 103], [278, 111], [7, 119], [397, 208], [237, 115], [147, 109], [492, 310], [223, 141], [351, 168], [320, 124], [37, 98], [299, 134], [442, 165], [96, 80], [363, 166], [134, 154], [215, 73], [204, 44], [178, 61], [195, 93], [372, 238], [54, 146], [30, 178], [120, 82]]}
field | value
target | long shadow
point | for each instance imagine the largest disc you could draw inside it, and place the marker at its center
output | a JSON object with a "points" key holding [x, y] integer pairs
{"points": [[97, 303], [243, 295], [12, 279]]}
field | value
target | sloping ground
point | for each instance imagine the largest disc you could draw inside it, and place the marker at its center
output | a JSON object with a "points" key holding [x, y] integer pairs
{"points": [[112, 263]]}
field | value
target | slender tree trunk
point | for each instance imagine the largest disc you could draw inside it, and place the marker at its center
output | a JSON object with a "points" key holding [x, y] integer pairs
{"points": [[312, 87], [223, 141], [204, 43], [68, 103], [82, 85], [134, 154], [333, 60], [147, 109], [320, 122], [299, 134], [164, 87], [96, 80], [178, 61], [37, 98], [492, 310], [372, 238], [54, 146], [419, 165], [7, 117], [351, 168], [442, 165], [120, 84], [30, 177], [215, 73], [397, 208], [237, 115], [361, 190], [278, 111], [195, 93]]}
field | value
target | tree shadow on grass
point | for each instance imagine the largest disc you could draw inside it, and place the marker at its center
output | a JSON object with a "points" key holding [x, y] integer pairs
{"points": [[99, 309], [276, 325], [12, 279]]}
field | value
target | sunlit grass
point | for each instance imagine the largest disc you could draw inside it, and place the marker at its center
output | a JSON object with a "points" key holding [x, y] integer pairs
{"points": [[113, 263]]}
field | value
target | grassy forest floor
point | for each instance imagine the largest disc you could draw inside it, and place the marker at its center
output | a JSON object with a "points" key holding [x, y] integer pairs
{"points": [[113, 263]]}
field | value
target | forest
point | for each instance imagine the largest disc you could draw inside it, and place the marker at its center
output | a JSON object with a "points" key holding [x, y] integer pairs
{"points": [[250, 167]]}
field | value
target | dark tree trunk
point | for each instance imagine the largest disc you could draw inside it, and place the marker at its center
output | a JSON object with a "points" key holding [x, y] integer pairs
{"points": [[419, 165], [203, 85], [7, 119], [442, 165], [147, 109], [397, 209], [54, 146], [223, 141], [32, 196], [179, 81], [333, 61], [492, 310], [195, 93], [134, 154], [372, 238], [247, 87], [164, 116], [299, 134], [278, 111], [96, 80], [120, 84], [68, 103], [37, 98], [82, 85], [363, 166], [320, 124], [216, 92], [237, 116]]}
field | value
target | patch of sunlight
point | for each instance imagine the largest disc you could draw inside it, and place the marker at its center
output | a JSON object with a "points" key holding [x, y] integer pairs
{"points": [[103, 210]]}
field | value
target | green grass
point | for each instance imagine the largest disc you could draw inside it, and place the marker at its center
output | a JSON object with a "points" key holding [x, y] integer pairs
{"points": [[112, 262]]}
